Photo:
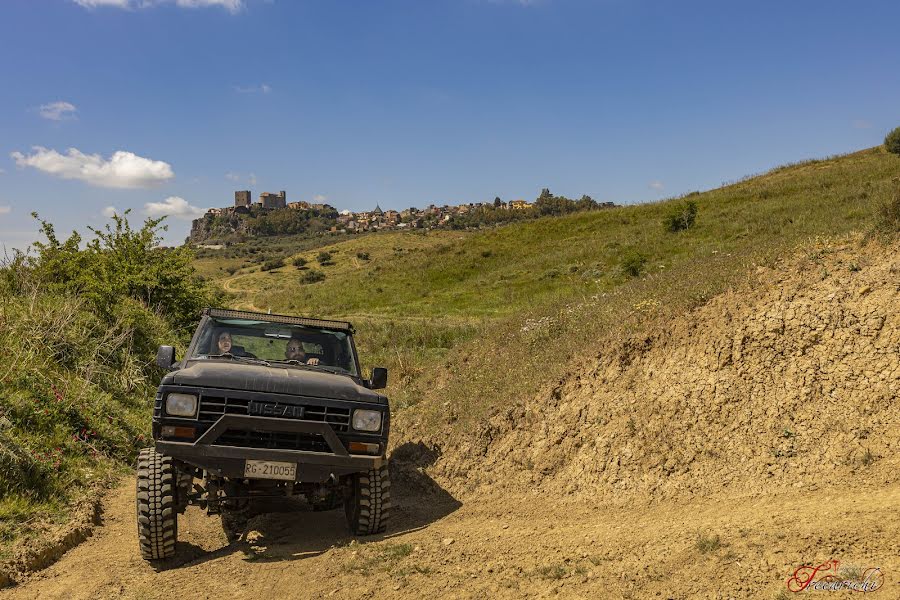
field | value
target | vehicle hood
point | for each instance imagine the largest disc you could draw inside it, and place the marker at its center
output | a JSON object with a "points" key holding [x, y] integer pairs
{"points": [[276, 380]]}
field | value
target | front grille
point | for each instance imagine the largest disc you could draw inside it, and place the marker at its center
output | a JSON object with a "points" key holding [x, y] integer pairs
{"points": [[213, 407], [273, 440]]}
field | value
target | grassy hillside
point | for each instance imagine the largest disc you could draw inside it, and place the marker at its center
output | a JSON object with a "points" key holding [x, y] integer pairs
{"points": [[472, 321]]}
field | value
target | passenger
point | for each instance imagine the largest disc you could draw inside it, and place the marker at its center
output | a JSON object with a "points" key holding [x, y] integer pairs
{"points": [[294, 351], [224, 343]]}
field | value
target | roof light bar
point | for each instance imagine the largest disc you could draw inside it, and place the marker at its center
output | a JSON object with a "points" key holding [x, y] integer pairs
{"points": [[226, 313]]}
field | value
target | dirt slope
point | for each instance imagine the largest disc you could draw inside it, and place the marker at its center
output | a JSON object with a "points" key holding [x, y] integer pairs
{"points": [[785, 385], [709, 459]]}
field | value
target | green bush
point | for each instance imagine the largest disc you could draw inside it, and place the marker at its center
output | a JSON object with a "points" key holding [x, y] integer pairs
{"points": [[632, 263], [312, 276], [681, 217], [362, 255], [275, 263], [324, 259], [892, 141], [120, 263], [299, 262]]}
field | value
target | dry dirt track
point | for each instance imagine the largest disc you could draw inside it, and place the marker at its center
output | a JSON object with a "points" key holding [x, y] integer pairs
{"points": [[501, 547]]}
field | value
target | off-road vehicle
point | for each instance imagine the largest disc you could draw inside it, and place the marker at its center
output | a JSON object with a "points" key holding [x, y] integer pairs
{"points": [[242, 416]]}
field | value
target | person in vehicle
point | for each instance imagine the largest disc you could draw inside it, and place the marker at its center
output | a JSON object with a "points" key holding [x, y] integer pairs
{"points": [[225, 345], [294, 351]]}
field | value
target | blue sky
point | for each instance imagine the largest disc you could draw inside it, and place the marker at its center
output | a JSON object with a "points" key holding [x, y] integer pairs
{"points": [[171, 105]]}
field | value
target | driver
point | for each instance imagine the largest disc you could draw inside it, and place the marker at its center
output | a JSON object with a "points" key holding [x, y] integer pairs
{"points": [[294, 351]]}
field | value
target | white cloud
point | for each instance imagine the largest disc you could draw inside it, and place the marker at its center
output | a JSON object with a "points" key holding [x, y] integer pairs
{"points": [[861, 124], [232, 177], [109, 211], [251, 179], [656, 185], [320, 198], [173, 206], [262, 88], [121, 170], [4, 210], [57, 111], [232, 6]]}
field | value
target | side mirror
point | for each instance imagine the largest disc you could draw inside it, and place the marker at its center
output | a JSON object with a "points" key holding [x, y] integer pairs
{"points": [[165, 357], [379, 378]]}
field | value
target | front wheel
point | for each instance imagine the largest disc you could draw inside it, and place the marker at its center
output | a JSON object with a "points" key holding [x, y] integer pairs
{"points": [[156, 504], [368, 501]]}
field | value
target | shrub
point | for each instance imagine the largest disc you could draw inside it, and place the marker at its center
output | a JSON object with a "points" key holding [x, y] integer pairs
{"points": [[681, 217], [892, 141], [362, 255], [275, 263], [299, 262], [122, 263], [324, 259], [887, 219], [633, 263], [312, 276]]}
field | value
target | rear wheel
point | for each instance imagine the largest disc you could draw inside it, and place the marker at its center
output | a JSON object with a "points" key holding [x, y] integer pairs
{"points": [[157, 505], [368, 501]]}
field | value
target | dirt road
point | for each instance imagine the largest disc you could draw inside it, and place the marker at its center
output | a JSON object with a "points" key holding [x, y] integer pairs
{"points": [[494, 546]]}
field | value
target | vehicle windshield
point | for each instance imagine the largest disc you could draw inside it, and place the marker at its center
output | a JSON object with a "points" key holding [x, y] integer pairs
{"points": [[275, 343]]}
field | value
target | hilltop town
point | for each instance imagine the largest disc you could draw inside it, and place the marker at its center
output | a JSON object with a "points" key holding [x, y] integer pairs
{"points": [[272, 214]]}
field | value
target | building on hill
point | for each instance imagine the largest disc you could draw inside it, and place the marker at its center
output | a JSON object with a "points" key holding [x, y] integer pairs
{"points": [[271, 200], [518, 205], [298, 205], [242, 198], [377, 211]]}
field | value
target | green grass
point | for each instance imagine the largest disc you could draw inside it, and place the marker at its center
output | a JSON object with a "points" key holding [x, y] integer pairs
{"points": [[470, 322], [74, 407]]}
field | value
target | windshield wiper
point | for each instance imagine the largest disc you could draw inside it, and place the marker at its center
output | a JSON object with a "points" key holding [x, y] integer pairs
{"points": [[255, 361]]}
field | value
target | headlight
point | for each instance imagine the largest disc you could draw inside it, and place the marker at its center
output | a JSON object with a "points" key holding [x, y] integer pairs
{"points": [[181, 405], [366, 420]]}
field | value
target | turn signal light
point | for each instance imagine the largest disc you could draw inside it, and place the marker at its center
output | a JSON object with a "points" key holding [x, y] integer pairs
{"points": [[178, 432], [363, 448]]}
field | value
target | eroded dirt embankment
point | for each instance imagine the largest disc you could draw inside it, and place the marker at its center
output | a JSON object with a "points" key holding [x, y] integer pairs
{"points": [[786, 385]]}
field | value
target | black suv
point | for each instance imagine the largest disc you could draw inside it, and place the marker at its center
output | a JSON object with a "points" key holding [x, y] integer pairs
{"points": [[261, 406]]}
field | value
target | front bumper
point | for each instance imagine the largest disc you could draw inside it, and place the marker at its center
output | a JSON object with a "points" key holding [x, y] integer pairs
{"points": [[228, 461]]}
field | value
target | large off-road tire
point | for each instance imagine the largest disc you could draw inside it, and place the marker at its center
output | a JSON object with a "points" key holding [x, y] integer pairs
{"points": [[368, 502], [157, 505]]}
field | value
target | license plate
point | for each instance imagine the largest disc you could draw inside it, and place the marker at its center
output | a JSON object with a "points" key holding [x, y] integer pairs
{"points": [[269, 469]]}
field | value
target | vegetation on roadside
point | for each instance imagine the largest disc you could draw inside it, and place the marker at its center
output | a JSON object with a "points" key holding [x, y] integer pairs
{"points": [[79, 327], [892, 141]]}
